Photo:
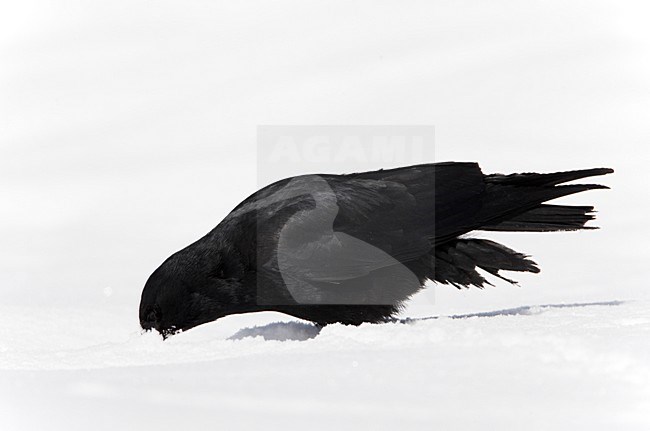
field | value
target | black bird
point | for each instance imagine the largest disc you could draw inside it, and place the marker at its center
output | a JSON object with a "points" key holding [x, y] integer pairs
{"points": [[352, 248]]}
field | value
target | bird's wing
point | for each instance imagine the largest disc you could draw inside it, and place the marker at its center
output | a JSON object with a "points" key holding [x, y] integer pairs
{"points": [[444, 200], [330, 228], [302, 240], [309, 226], [352, 239]]}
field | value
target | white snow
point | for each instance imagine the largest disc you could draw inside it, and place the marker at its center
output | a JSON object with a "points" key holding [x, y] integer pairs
{"points": [[128, 130], [546, 367]]}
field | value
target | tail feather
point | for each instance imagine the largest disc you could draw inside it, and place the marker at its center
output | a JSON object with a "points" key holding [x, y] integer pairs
{"points": [[544, 180], [547, 218], [516, 202]]}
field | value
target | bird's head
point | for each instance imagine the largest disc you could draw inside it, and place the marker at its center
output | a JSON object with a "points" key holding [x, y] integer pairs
{"points": [[188, 289]]}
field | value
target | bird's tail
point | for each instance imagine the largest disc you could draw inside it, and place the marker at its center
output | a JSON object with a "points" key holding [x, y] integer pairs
{"points": [[530, 190], [512, 203]]}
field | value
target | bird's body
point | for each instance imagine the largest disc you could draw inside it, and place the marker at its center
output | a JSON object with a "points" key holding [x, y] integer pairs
{"points": [[352, 248]]}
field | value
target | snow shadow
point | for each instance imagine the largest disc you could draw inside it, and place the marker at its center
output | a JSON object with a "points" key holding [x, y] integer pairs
{"points": [[525, 310], [302, 331], [280, 331]]}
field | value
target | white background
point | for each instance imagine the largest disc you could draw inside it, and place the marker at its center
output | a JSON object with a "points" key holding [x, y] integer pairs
{"points": [[128, 130]]}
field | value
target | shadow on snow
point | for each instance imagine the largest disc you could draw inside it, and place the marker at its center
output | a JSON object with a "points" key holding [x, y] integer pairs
{"points": [[302, 331]]}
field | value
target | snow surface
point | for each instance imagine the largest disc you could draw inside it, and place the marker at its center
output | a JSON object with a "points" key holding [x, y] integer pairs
{"points": [[128, 130], [579, 366]]}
